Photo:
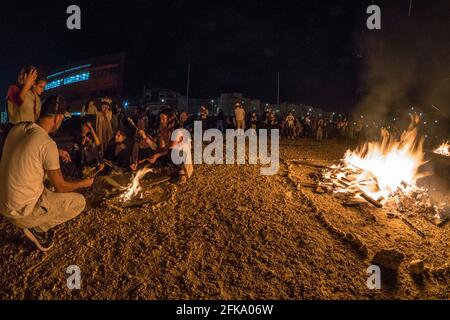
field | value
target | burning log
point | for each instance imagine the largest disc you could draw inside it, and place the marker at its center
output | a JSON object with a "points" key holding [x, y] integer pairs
{"points": [[371, 200], [361, 193]]}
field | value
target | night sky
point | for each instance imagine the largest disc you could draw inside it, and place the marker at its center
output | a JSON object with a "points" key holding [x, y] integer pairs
{"points": [[233, 46]]}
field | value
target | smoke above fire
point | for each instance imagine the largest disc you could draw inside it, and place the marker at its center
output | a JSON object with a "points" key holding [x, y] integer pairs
{"points": [[406, 62]]}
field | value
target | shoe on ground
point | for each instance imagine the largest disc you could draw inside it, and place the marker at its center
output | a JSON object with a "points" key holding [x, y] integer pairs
{"points": [[42, 240]]}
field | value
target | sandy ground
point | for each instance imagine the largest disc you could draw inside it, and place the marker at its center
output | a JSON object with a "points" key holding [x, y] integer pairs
{"points": [[230, 233]]}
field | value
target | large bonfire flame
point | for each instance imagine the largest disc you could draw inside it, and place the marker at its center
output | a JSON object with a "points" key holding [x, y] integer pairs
{"points": [[443, 149], [383, 168], [134, 188]]}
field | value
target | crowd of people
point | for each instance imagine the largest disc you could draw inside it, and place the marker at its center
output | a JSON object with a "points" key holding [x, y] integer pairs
{"points": [[289, 125], [106, 141]]}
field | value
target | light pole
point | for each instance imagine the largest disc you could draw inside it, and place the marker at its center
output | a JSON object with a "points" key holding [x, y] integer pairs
{"points": [[278, 91], [187, 86]]}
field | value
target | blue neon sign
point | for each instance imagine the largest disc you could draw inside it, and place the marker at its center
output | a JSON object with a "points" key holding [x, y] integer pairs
{"points": [[68, 80]]}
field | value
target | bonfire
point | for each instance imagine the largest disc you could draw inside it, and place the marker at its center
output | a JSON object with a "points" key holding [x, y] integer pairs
{"points": [[381, 170], [443, 149]]}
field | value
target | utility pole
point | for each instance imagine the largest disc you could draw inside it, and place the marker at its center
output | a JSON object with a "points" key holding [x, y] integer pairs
{"points": [[278, 91], [187, 86], [410, 8]]}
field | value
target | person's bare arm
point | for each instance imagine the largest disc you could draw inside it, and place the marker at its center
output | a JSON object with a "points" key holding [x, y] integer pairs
{"points": [[29, 81], [164, 150], [156, 156], [96, 139], [57, 180], [151, 143], [148, 140]]}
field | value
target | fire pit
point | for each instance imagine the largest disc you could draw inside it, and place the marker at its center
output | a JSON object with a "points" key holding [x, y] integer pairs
{"points": [[147, 187], [139, 193], [382, 173]]}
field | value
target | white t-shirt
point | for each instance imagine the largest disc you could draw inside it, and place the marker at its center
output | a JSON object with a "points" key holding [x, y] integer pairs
{"points": [[28, 152]]}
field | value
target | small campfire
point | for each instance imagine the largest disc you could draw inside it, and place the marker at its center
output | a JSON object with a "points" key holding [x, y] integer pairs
{"points": [[152, 190], [443, 149], [134, 189]]}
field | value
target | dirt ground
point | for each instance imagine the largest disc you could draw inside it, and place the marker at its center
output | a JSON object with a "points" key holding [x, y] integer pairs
{"points": [[230, 233]]}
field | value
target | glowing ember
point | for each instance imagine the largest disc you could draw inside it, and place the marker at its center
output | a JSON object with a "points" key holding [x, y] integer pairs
{"points": [[381, 169], [134, 189], [443, 149]]}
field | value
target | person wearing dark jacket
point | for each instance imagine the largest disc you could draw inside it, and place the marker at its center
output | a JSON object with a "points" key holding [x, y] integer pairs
{"points": [[118, 150]]}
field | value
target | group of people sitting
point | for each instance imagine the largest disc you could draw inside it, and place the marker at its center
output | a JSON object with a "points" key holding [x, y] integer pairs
{"points": [[37, 185], [131, 146]]}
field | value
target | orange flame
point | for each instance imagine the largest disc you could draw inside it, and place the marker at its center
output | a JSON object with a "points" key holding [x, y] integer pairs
{"points": [[443, 149], [381, 168], [134, 188]]}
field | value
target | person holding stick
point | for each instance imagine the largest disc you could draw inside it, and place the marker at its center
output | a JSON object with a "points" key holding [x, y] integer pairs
{"points": [[162, 154], [143, 148]]}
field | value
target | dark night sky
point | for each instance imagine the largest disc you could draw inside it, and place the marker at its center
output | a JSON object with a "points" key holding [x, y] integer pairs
{"points": [[233, 46]]}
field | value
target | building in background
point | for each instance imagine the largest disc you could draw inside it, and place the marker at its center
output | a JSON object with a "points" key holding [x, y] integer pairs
{"points": [[93, 78], [251, 105], [160, 96], [157, 99], [195, 103], [227, 101], [270, 106]]}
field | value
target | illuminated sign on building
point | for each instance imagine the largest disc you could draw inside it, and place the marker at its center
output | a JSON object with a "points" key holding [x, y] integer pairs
{"points": [[67, 80], [92, 78]]}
